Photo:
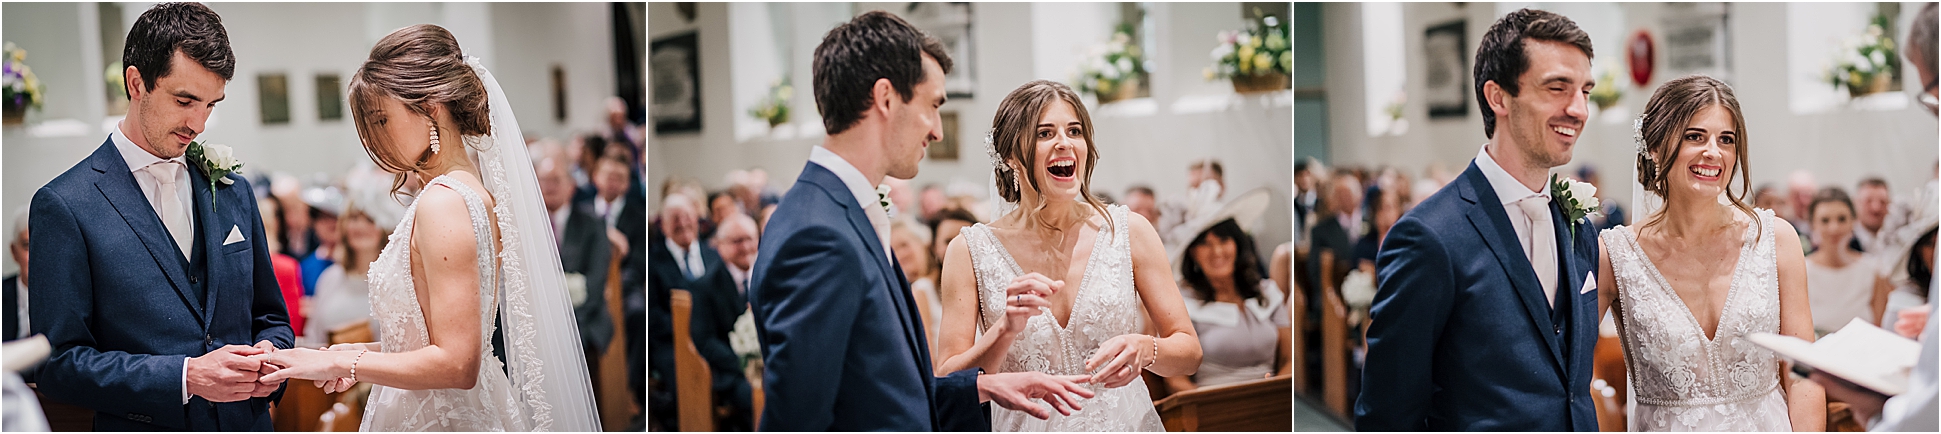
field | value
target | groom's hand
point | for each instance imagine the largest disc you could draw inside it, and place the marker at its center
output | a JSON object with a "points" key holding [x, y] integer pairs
{"points": [[264, 390], [1017, 390], [224, 375]]}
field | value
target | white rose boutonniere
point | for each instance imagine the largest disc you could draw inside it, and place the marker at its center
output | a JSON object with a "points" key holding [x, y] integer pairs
{"points": [[217, 161], [883, 197], [1578, 199]]}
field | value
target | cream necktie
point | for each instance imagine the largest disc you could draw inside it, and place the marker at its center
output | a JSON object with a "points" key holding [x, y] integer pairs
{"points": [[169, 206], [1543, 244], [880, 219]]}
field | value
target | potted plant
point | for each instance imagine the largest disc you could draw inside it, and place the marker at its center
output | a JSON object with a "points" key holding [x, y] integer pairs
{"points": [[775, 107], [1255, 59], [1606, 93], [19, 88], [1116, 68], [1867, 63]]}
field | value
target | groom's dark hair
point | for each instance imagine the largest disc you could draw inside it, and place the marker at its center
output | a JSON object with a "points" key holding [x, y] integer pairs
{"points": [[168, 27], [1501, 57], [874, 45]]}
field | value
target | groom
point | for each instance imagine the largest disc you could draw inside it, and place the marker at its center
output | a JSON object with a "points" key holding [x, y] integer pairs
{"points": [[151, 286], [1485, 315], [843, 345]]}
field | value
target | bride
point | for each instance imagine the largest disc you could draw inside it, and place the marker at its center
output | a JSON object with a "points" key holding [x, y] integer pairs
{"points": [[1003, 314], [1701, 274], [485, 253]]}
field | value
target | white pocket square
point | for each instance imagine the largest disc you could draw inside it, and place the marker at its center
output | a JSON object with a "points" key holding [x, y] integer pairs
{"points": [[235, 236], [1590, 283]]}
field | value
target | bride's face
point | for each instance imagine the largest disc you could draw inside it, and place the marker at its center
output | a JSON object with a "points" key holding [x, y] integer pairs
{"points": [[1060, 147], [405, 131], [1707, 150]]}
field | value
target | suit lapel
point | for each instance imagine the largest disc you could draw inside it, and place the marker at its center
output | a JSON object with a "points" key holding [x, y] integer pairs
{"points": [[117, 184], [878, 253], [1493, 225]]}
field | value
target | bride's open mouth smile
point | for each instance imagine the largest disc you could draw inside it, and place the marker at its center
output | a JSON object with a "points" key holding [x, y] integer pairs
{"points": [[1063, 169], [1706, 172]]}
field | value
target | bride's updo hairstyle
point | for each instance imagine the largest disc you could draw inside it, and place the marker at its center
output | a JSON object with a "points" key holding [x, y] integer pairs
{"points": [[1670, 110], [1013, 139], [420, 66]]}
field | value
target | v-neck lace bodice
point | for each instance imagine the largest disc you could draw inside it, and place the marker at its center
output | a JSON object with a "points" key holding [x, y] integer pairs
{"points": [[1105, 306], [1684, 380]]}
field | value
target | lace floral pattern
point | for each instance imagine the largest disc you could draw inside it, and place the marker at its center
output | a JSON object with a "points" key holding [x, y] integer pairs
{"points": [[1684, 381], [1106, 306], [489, 405]]}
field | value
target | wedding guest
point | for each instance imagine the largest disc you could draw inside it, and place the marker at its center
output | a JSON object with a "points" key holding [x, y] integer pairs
{"points": [[1334, 236], [720, 298], [15, 286], [945, 226], [932, 199], [1800, 187], [901, 202], [583, 249], [909, 241], [722, 204], [1384, 208], [680, 258], [1914, 277], [621, 129], [1769, 197], [1141, 200], [1845, 284], [1872, 200], [590, 150], [1239, 314], [296, 237], [288, 274], [325, 204], [343, 294]]}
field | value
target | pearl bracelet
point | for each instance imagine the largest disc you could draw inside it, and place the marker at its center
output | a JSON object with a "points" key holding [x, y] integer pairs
{"points": [[353, 364], [1155, 353]]}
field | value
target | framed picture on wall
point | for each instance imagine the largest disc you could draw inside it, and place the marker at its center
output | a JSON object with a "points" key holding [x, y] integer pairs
{"points": [[330, 97], [675, 65], [946, 149], [1445, 71], [559, 93], [273, 98], [951, 24]]}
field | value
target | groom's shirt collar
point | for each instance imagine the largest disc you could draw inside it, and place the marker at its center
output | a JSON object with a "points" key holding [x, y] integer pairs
{"points": [[852, 178], [1507, 188], [137, 157]]}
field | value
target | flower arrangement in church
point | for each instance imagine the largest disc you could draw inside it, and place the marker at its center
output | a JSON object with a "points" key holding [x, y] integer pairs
{"points": [[1866, 63], [775, 107], [1115, 69], [19, 88], [1260, 51]]}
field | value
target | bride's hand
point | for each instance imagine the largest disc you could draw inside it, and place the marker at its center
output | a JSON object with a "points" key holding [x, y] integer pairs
{"points": [[335, 385], [1023, 298], [1119, 360], [306, 364]]}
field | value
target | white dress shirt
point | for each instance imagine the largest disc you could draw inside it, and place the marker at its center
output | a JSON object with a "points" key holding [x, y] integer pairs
{"points": [[1509, 191], [859, 186], [559, 222], [139, 159], [687, 257], [741, 278]]}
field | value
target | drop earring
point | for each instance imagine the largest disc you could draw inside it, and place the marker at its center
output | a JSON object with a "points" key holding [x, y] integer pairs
{"points": [[434, 137]]}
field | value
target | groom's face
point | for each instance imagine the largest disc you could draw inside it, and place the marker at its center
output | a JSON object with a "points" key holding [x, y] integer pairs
{"points": [[173, 113], [915, 123], [1549, 114]]}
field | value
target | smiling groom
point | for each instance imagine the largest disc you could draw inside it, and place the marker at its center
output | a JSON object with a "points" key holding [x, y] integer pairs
{"points": [[151, 281]]}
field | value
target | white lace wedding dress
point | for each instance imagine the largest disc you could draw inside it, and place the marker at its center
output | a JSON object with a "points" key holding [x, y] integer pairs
{"points": [[1682, 380], [489, 405], [1106, 306]]}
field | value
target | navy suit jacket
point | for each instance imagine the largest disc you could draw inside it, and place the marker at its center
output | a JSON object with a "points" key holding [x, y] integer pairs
{"points": [[1461, 338], [120, 311], [843, 345]]}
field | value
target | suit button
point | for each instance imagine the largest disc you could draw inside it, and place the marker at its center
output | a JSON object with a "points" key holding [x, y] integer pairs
{"points": [[192, 280], [207, 340], [1558, 329]]}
